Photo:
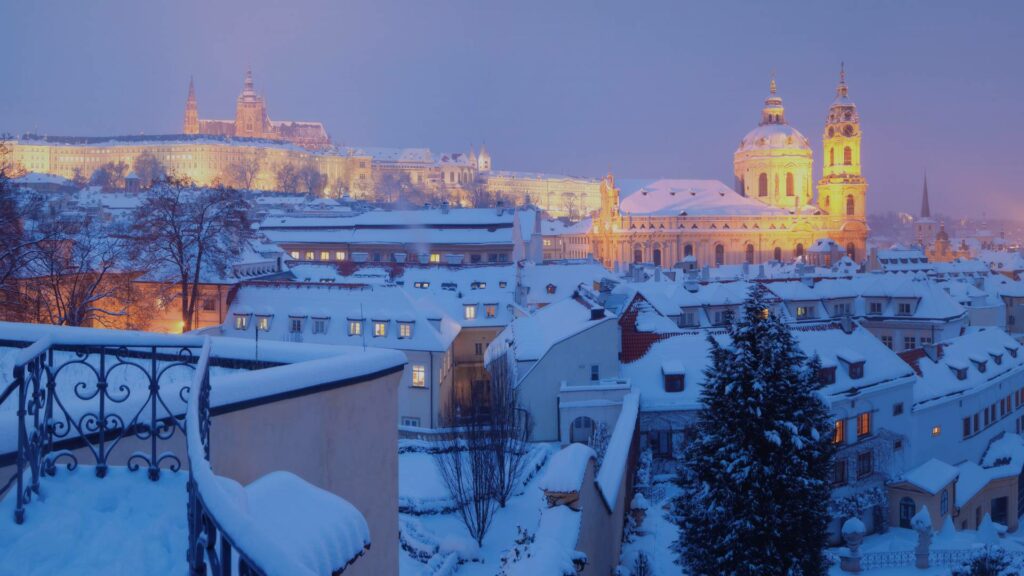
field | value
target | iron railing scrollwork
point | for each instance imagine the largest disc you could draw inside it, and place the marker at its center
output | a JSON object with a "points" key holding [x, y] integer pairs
{"points": [[87, 400]]}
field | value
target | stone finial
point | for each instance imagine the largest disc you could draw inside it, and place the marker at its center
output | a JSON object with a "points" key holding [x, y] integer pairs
{"points": [[853, 535]]}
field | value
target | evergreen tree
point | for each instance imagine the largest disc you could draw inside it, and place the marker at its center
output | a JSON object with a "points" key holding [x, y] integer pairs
{"points": [[755, 480]]}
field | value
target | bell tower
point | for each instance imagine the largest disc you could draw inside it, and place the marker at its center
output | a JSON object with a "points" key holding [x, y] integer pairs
{"points": [[842, 190], [191, 111]]}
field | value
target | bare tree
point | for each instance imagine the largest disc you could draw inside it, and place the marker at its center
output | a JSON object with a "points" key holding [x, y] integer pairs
{"points": [[110, 175], [243, 173], [148, 168], [287, 176], [465, 460], [479, 195], [191, 233], [571, 204], [311, 180], [17, 247], [77, 276], [509, 429]]}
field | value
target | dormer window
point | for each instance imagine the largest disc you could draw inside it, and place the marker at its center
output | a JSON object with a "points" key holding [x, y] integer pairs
{"points": [[981, 365], [478, 285], [961, 373], [1012, 351], [295, 324], [803, 312], [551, 288], [827, 375], [857, 370], [874, 308], [903, 309], [380, 328], [674, 376], [997, 358], [241, 321], [355, 327], [263, 323], [502, 284], [405, 330], [491, 310], [451, 286], [469, 311]]}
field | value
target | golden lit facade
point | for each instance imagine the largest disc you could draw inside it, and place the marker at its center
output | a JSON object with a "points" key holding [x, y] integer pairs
{"points": [[252, 121], [771, 215]]}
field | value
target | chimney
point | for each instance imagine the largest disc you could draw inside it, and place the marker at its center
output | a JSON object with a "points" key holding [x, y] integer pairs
{"points": [[846, 324], [500, 206], [932, 351], [657, 274], [760, 270]]}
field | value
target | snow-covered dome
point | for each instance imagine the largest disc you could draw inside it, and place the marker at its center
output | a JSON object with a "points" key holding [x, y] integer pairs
{"points": [[773, 136]]}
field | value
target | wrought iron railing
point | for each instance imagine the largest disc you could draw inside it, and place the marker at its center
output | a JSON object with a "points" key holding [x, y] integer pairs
{"points": [[86, 401]]}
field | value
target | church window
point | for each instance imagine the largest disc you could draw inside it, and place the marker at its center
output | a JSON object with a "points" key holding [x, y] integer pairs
{"points": [[851, 251], [831, 156], [789, 184], [656, 256], [688, 250], [849, 205], [750, 254], [638, 254], [762, 184], [847, 156], [777, 254], [799, 250], [719, 255]]}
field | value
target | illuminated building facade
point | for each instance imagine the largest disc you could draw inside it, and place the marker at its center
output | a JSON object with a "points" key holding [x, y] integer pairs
{"points": [[771, 216], [252, 121]]}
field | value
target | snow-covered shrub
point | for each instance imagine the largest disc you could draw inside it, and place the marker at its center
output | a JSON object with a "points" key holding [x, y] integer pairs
{"points": [[416, 540], [642, 565], [599, 441], [643, 467], [989, 561], [524, 539]]}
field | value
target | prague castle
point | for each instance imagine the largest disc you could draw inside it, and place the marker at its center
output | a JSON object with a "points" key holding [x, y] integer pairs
{"points": [[772, 214], [251, 121]]}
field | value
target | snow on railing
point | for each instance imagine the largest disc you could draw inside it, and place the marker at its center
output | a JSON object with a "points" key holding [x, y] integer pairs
{"points": [[87, 398]]}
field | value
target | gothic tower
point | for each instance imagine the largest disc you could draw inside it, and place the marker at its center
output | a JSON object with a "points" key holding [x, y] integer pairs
{"points": [[774, 161], [842, 190], [191, 112], [925, 227], [251, 120]]}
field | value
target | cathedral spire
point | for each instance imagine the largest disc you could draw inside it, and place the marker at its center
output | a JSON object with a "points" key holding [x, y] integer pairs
{"points": [[842, 91], [926, 211], [248, 79], [191, 110]]}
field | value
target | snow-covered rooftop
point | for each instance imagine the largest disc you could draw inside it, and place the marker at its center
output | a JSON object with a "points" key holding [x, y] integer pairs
{"points": [[691, 198]]}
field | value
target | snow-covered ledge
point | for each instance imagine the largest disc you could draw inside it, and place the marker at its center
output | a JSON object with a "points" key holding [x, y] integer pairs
{"points": [[279, 523]]}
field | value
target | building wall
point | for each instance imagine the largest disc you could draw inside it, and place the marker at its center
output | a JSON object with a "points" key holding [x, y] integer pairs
{"points": [[567, 361], [921, 498], [975, 509]]}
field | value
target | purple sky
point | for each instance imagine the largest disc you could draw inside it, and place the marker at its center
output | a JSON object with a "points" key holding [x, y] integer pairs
{"points": [[649, 89]]}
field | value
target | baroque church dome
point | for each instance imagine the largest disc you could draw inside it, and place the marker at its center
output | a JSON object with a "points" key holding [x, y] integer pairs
{"points": [[773, 132]]}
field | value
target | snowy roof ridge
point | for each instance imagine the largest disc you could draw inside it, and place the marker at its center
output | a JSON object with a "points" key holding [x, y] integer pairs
{"points": [[614, 467]]}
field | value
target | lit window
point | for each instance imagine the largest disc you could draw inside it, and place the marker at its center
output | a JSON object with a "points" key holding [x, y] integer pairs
{"points": [[405, 329], [241, 321], [309, 255], [355, 327], [839, 436], [469, 311], [263, 323], [419, 376], [325, 255], [339, 255], [491, 310], [435, 258], [380, 329], [295, 254], [863, 424], [936, 430], [319, 325]]}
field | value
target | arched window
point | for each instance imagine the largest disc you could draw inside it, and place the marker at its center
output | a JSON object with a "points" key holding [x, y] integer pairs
{"points": [[750, 254], [828, 202], [851, 251], [719, 254], [777, 254], [799, 250], [849, 205], [847, 156], [657, 256], [907, 511], [581, 430], [638, 254], [831, 156], [762, 184], [688, 250], [790, 188]]}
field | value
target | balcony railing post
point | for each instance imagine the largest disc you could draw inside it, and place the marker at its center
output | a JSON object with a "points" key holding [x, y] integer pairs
{"points": [[19, 507], [154, 395], [101, 390]]}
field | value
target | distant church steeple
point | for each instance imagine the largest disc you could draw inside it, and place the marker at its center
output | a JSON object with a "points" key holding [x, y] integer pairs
{"points": [[191, 111], [926, 211]]}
